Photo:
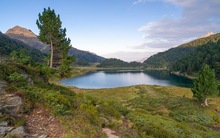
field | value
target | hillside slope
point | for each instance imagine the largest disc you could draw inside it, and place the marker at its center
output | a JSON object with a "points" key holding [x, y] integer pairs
{"points": [[86, 56], [208, 53], [26, 36], [31, 39], [168, 58], [117, 63], [8, 45]]}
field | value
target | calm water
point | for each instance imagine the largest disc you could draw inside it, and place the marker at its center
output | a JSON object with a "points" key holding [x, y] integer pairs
{"points": [[119, 78]]}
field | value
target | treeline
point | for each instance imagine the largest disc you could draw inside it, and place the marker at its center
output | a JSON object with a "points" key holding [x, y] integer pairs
{"points": [[8, 45], [117, 63], [168, 58], [208, 53]]}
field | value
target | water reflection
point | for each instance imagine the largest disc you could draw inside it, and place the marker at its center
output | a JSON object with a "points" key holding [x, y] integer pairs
{"points": [[118, 78]]}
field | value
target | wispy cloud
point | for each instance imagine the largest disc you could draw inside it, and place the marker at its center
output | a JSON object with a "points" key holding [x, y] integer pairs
{"points": [[198, 17], [129, 56]]}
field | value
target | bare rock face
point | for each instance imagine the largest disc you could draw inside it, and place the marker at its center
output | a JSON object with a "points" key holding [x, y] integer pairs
{"points": [[26, 36], [21, 31]]}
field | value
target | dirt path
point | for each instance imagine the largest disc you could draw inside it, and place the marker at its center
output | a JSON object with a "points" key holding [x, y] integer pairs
{"points": [[41, 124], [110, 133]]}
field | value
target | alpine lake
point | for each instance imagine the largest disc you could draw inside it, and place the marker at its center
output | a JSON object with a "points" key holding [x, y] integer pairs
{"points": [[121, 78]]}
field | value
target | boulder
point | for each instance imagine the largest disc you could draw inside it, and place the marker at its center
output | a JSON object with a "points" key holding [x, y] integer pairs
{"points": [[4, 131], [12, 105], [18, 133]]}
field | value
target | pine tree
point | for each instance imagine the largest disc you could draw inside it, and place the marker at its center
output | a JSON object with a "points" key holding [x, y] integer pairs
{"points": [[50, 25], [205, 84]]}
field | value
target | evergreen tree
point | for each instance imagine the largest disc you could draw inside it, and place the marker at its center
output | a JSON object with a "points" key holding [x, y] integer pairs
{"points": [[205, 84], [50, 25], [66, 60]]}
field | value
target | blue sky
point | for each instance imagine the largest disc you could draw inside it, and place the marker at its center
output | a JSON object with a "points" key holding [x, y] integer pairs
{"points": [[125, 29]]}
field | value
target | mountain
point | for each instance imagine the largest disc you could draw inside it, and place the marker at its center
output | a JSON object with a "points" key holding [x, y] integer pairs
{"points": [[26, 36], [117, 63], [168, 58], [7, 45], [85, 56], [31, 39], [208, 53]]}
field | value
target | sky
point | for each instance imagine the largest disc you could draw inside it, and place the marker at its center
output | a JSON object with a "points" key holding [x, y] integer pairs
{"points": [[126, 29]]}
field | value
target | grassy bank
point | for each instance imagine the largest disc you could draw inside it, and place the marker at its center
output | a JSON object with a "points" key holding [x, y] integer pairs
{"points": [[160, 111]]}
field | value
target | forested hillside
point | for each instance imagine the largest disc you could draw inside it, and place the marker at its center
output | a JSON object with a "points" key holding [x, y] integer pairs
{"points": [[168, 58], [114, 63], [208, 53], [85, 57], [8, 45]]}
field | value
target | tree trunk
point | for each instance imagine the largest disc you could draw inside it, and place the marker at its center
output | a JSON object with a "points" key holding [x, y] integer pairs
{"points": [[206, 102], [51, 54]]}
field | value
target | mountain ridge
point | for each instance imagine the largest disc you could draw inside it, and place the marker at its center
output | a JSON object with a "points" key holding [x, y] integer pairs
{"points": [[28, 37], [167, 58]]}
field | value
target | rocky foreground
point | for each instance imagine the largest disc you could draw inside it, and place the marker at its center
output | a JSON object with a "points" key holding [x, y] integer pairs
{"points": [[38, 123]]}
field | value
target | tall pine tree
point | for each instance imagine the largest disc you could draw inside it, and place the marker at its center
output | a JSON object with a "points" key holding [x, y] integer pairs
{"points": [[50, 25]]}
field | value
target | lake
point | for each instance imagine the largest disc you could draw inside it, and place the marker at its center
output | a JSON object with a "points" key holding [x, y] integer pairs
{"points": [[119, 78]]}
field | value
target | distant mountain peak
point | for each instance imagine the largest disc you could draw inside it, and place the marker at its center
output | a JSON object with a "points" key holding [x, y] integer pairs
{"points": [[21, 31], [207, 35]]}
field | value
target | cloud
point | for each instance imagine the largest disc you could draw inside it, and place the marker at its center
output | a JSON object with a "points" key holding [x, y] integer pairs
{"points": [[198, 17], [129, 56]]}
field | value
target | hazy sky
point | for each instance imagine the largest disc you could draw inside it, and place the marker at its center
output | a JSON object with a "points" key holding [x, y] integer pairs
{"points": [[125, 29]]}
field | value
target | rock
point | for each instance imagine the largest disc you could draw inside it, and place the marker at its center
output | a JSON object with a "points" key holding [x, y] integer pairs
{"points": [[28, 79], [105, 121], [4, 123], [12, 105], [2, 85], [18, 133], [43, 136], [4, 131]]}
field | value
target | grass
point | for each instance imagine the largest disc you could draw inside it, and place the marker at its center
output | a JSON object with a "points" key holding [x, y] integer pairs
{"points": [[164, 111]]}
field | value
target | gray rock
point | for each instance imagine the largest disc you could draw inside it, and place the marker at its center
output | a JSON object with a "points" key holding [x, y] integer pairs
{"points": [[43, 136], [4, 131], [14, 101], [18, 132], [4, 123], [104, 121], [2, 85], [13, 105], [29, 80]]}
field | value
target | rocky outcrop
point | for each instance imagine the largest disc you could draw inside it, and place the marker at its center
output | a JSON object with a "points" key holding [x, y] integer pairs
{"points": [[26, 36], [21, 31], [10, 106], [7, 132]]}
